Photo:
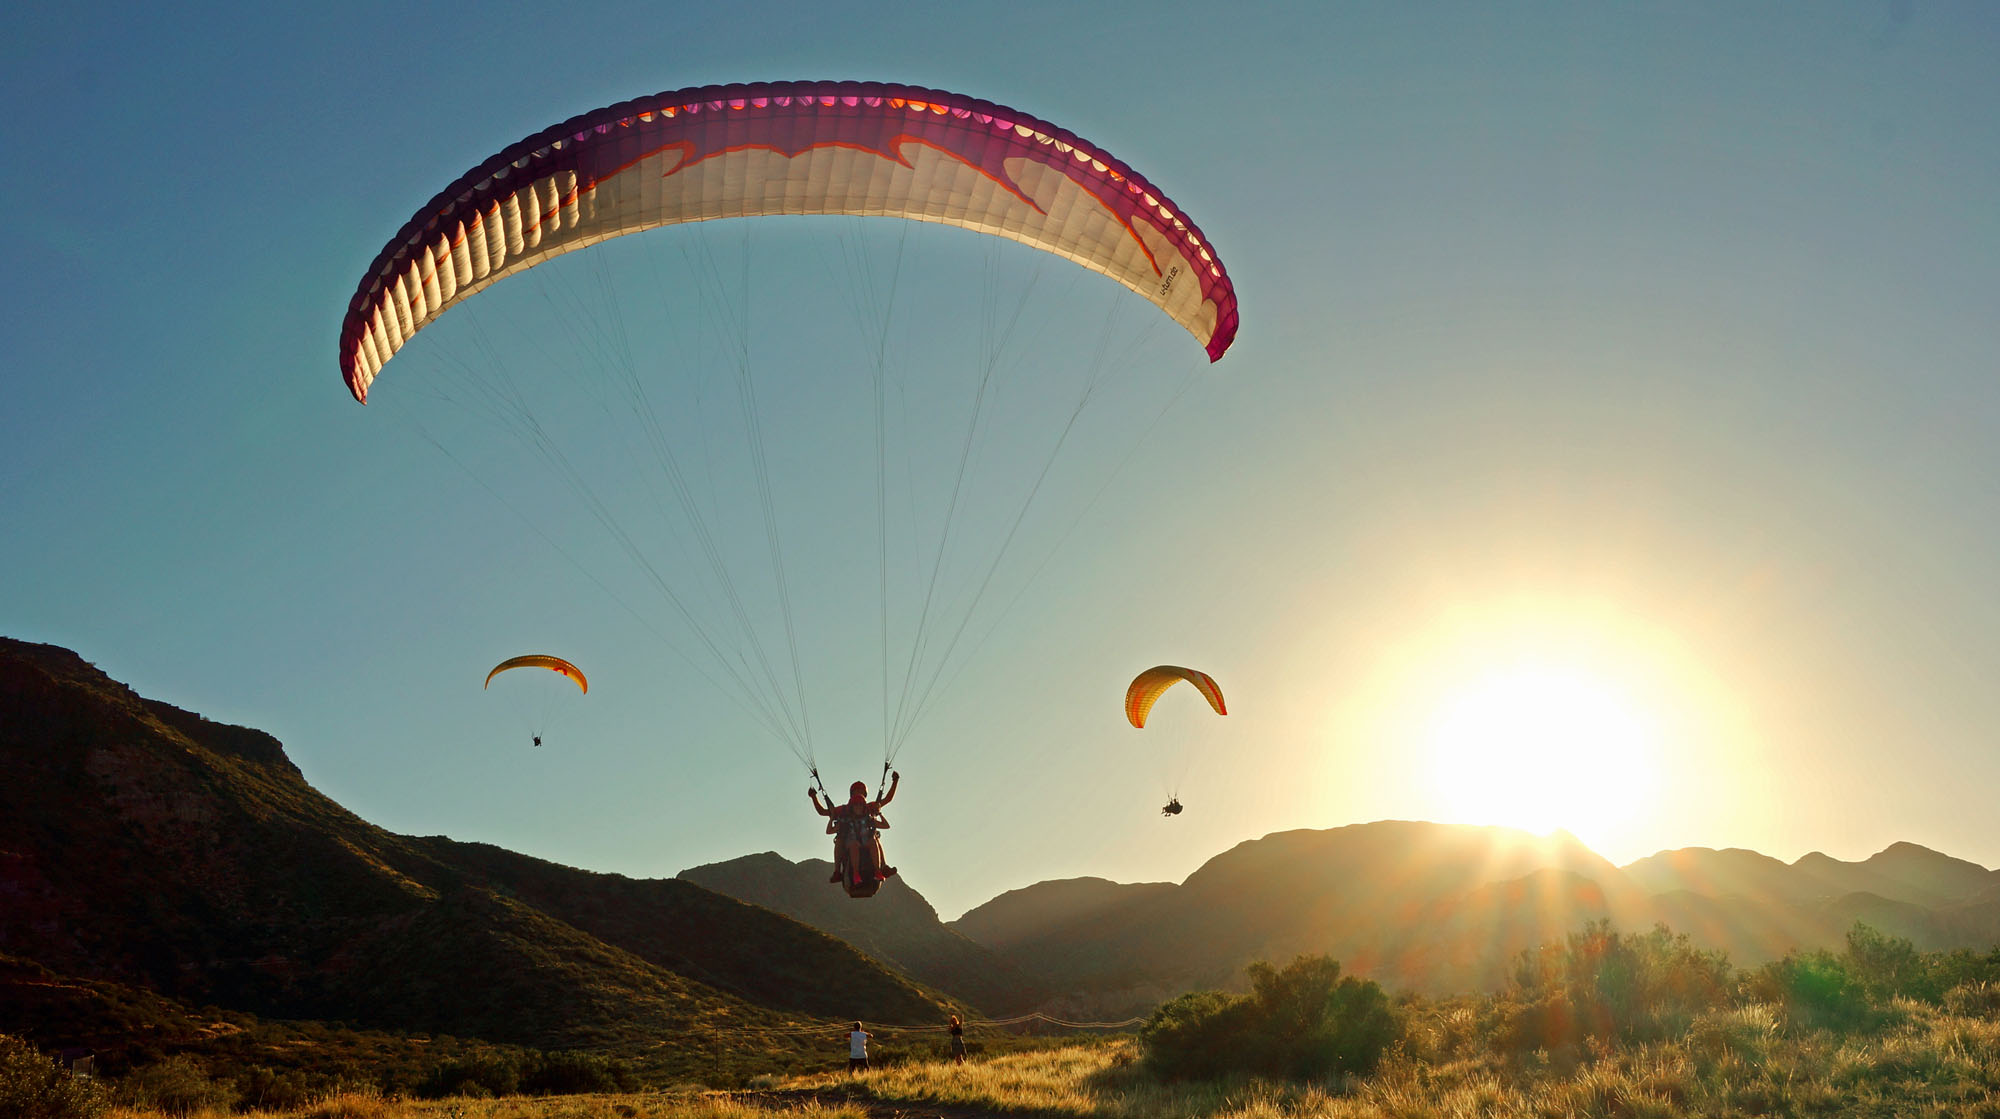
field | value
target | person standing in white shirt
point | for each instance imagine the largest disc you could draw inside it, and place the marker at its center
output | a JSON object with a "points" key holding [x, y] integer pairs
{"points": [[857, 1049]]}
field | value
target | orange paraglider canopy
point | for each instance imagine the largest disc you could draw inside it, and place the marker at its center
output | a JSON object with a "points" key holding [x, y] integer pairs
{"points": [[1147, 686], [538, 660]]}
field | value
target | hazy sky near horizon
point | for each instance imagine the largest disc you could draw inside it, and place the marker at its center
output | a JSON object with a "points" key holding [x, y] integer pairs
{"points": [[1611, 442]]}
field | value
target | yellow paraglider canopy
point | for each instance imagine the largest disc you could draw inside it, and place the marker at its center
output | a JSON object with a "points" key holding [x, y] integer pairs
{"points": [[538, 660], [1147, 686]]}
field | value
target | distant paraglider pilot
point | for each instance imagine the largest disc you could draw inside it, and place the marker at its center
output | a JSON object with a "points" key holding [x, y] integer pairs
{"points": [[856, 827], [556, 665], [1147, 687]]}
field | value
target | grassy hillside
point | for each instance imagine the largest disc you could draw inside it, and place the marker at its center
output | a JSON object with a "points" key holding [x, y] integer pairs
{"points": [[146, 846], [707, 935]]}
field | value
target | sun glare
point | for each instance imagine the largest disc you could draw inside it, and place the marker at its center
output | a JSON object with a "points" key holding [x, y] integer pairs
{"points": [[1542, 747]]}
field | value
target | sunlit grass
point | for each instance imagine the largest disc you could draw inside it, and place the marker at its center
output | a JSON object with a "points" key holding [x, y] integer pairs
{"points": [[647, 1105], [1073, 1080], [1101, 1081], [1738, 1063]]}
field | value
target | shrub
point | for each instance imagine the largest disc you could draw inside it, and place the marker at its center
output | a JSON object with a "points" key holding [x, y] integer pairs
{"points": [[1440, 1032], [487, 1074], [261, 1088], [1888, 967], [1600, 984], [571, 1072], [346, 1105], [1526, 1024], [34, 1087], [176, 1086], [1960, 968], [1979, 999], [1195, 1036], [1308, 1021], [1303, 1021], [1816, 992], [1745, 1033], [561, 1073]]}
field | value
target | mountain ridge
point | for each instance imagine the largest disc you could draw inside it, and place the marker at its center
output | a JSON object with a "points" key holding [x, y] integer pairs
{"points": [[897, 926], [147, 846], [1443, 908]]}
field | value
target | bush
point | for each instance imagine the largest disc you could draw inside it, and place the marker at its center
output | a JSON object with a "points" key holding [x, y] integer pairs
{"points": [[1979, 999], [1961, 968], [1440, 1032], [1745, 1033], [562, 1073], [479, 1076], [1600, 984], [1304, 1021], [259, 1088], [1816, 992], [1524, 1025], [176, 1086], [346, 1105], [1889, 967], [570, 1072], [1196, 1036], [1308, 1021], [34, 1087]]}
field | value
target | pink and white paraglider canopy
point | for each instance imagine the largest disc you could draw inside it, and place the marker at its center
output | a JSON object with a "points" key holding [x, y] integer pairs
{"points": [[731, 151]]}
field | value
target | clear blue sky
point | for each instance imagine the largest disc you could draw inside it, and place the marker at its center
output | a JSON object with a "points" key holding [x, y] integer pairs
{"points": [[1647, 348]]}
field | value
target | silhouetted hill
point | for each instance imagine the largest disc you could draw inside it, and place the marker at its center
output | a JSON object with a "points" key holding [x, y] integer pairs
{"points": [[897, 926], [1720, 874], [1896, 918], [1036, 910], [1750, 928], [1441, 908], [1921, 876], [1901, 872], [1414, 904], [147, 846], [705, 935]]}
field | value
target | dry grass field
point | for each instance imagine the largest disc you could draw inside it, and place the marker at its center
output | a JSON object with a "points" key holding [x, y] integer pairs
{"points": [[1740, 1063]]}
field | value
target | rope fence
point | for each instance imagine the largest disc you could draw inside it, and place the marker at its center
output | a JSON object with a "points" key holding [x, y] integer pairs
{"points": [[713, 1031], [1025, 1018]]}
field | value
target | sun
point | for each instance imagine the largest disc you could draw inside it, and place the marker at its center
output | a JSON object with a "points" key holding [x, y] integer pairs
{"points": [[1542, 747]]}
